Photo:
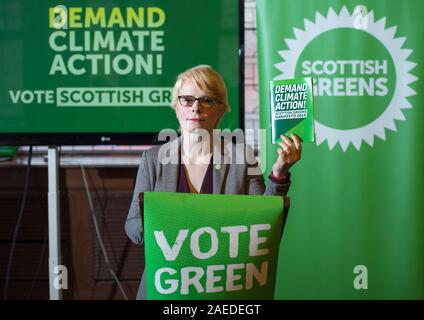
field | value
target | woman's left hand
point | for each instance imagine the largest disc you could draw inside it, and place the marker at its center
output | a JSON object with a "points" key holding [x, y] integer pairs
{"points": [[289, 153]]}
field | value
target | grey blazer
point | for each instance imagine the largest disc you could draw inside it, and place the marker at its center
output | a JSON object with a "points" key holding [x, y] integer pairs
{"points": [[159, 171]]}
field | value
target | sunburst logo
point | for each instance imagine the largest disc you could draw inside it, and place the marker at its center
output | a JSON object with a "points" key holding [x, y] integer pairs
{"points": [[383, 78]]}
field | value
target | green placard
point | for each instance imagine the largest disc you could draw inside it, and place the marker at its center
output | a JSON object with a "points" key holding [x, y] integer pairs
{"points": [[211, 246], [76, 66], [291, 109]]}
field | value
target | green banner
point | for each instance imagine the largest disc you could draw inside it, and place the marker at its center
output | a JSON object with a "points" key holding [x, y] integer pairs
{"points": [[205, 246], [356, 225]]}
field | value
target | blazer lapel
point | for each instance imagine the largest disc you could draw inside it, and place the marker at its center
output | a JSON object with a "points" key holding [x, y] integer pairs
{"points": [[170, 170], [221, 162]]}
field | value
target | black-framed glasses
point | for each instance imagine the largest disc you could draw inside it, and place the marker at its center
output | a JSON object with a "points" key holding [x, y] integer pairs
{"points": [[205, 101]]}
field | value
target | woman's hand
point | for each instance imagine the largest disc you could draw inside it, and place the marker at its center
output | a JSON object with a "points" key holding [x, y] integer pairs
{"points": [[289, 153]]}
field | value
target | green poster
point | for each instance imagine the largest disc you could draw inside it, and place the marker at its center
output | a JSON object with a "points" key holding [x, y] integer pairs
{"points": [[205, 246], [356, 226], [291, 109]]}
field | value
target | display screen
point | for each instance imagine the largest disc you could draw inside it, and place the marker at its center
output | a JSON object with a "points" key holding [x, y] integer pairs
{"points": [[85, 72]]}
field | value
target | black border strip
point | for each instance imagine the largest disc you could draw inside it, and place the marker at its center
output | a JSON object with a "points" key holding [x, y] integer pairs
{"points": [[101, 138]]}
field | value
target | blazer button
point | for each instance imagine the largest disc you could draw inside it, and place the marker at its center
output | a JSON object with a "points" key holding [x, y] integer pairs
{"points": [[218, 166]]}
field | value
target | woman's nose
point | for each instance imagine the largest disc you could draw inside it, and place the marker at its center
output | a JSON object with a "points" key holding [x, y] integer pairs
{"points": [[195, 107]]}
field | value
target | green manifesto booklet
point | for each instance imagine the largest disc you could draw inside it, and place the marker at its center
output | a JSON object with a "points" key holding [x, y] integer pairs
{"points": [[291, 109]]}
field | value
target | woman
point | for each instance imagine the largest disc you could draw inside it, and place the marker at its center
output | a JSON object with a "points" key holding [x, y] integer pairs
{"points": [[202, 165]]}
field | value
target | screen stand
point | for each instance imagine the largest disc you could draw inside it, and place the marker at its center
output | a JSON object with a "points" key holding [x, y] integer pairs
{"points": [[54, 226]]}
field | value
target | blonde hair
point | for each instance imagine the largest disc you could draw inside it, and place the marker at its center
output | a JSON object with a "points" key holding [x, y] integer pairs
{"points": [[206, 79]]}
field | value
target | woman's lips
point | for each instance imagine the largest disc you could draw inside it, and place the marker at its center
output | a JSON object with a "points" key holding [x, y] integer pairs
{"points": [[196, 120]]}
